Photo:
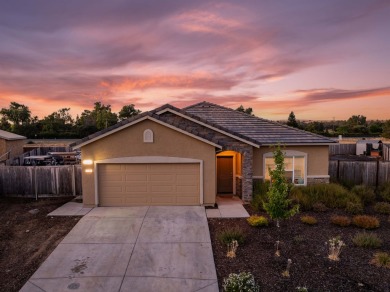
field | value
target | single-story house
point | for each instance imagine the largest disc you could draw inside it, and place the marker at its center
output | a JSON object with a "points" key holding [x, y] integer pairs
{"points": [[10, 145], [172, 156]]}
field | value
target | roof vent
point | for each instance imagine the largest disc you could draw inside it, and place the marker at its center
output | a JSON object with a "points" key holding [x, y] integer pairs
{"points": [[148, 136]]}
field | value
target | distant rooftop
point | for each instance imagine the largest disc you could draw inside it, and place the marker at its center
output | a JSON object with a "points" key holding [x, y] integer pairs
{"points": [[10, 136]]}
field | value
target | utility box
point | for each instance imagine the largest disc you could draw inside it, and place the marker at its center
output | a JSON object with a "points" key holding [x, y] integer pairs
{"points": [[369, 147]]}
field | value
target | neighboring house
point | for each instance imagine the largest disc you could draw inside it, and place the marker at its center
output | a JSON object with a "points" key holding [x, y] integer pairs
{"points": [[171, 156], [10, 145]]}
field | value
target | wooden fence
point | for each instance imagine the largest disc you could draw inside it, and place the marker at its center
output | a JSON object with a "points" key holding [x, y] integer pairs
{"points": [[35, 181], [386, 152], [372, 173], [342, 149]]}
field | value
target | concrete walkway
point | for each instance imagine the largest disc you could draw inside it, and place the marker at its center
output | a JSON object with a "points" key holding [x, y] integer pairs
{"points": [[228, 207], [132, 249]]}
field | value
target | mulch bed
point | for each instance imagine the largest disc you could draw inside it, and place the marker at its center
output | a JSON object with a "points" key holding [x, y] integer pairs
{"points": [[27, 239], [305, 246]]}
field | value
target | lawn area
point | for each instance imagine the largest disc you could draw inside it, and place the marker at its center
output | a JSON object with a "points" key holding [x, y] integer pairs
{"points": [[27, 239], [305, 245]]}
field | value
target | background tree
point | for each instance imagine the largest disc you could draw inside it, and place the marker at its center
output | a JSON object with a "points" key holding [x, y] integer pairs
{"points": [[315, 127], [278, 205], [386, 129], [59, 124], [18, 114], [248, 110], [99, 118], [128, 111], [291, 121]]}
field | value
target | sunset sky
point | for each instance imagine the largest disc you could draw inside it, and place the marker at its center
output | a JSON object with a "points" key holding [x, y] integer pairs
{"points": [[321, 59]]}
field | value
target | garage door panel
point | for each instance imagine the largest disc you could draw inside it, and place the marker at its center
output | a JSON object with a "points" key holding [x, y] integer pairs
{"points": [[186, 201], [162, 189], [148, 184], [136, 177], [136, 168], [162, 178], [187, 189], [136, 188]]}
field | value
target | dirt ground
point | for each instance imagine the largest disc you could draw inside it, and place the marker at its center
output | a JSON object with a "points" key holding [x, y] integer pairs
{"points": [[305, 246], [27, 238]]}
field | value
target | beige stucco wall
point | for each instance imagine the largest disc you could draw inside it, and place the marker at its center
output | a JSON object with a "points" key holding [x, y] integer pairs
{"points": [[167, 142], [317, 159], [15, 146]]}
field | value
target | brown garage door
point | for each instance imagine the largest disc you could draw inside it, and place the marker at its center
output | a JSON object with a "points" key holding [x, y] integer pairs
{"points": [[148, 184]]}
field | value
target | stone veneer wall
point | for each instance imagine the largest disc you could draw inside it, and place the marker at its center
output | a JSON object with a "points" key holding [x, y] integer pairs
{"points": [[239, 186]]}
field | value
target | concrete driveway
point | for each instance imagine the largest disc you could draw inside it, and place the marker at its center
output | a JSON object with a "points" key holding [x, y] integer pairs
{"points": [[132, 249]]}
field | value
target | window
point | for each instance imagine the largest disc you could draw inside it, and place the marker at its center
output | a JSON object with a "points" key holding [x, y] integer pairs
{"points": [[148, 136], [294, 166]]}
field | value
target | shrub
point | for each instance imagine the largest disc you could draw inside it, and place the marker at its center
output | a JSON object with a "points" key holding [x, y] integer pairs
{"points": [[365, 193], [335, 245], [384, 191], [319, 207], [228, 235], [382, 208], [257, 221], [260, 189], [240, 282], [365, 221], [310, 220], [381, 259], [342, 221], [354, 208], [365, 239], [331, 195]]}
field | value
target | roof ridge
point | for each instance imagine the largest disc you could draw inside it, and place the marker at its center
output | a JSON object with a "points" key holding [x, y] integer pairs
{"points": [[215, 125]]}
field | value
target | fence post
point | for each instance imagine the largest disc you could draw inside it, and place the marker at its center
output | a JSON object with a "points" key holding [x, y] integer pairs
{"points": [[74, 180], [377, 174], [35, 182]]}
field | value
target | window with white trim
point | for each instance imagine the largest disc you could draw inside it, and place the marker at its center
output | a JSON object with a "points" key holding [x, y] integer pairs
{"points": [[294, 166]]}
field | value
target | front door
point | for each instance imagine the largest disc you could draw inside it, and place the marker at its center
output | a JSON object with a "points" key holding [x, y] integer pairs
{"points": [[225, 174]]}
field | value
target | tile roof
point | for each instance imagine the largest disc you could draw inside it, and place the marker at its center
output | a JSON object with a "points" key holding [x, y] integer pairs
{"points": [[10, 136], [247, 128], [262, 131]]}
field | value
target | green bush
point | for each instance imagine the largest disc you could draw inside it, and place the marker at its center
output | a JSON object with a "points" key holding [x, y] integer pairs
{"points": [[260, 189], [309, 220], [384, 191], [381, 259], [365, 193], [257, 221], [354, 208], [331, 195], [365, 221], [382, 208], [342, 221], [365, 239], [233, 233], [242, 282]]}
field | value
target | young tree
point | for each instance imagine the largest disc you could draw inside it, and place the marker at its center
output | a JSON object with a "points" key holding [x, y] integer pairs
{"points": [[279, 206], [292, 122]]}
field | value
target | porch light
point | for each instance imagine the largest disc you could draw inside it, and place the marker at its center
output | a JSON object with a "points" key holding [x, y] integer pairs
{"points": [[88, 170], [87, 162]]}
